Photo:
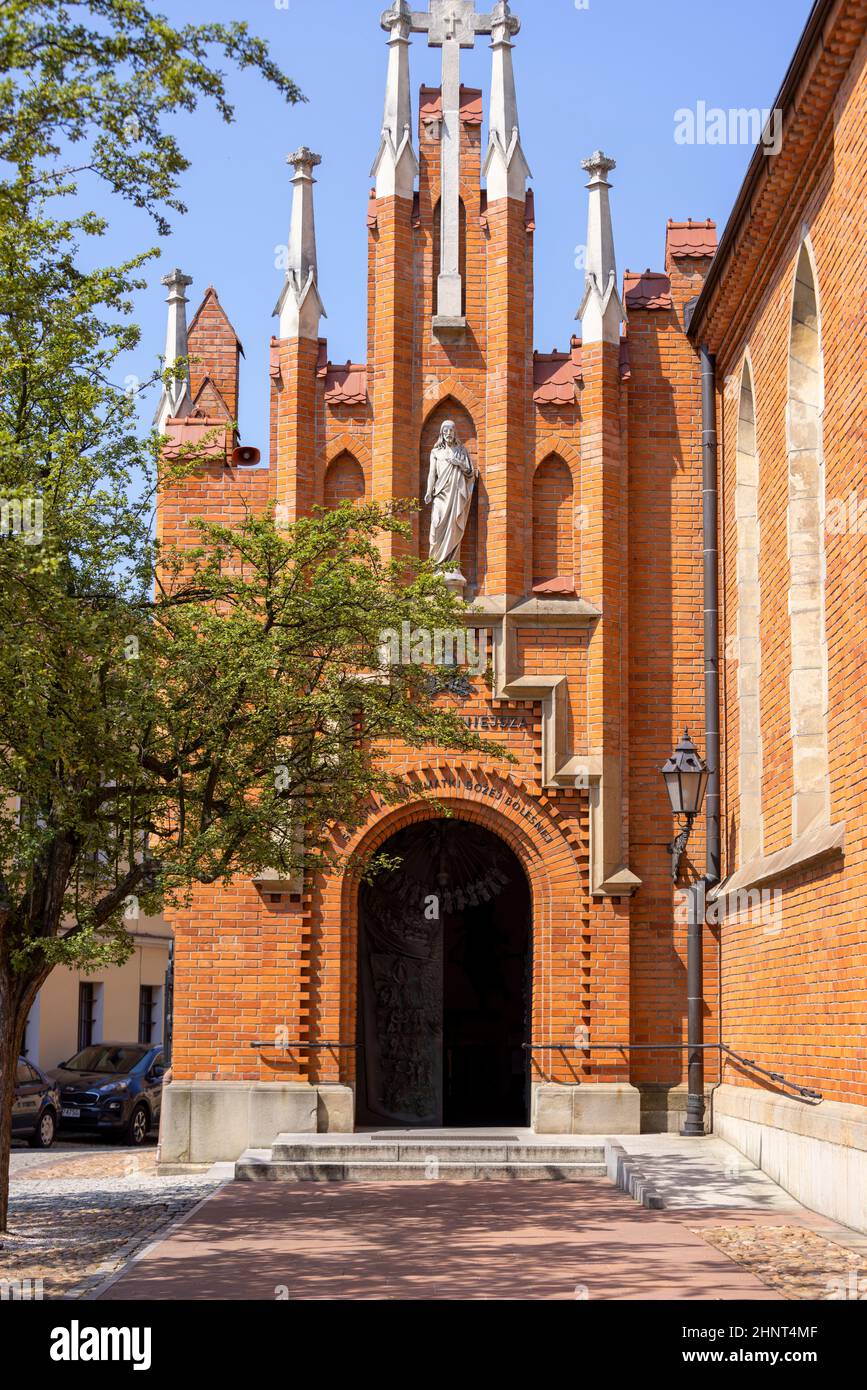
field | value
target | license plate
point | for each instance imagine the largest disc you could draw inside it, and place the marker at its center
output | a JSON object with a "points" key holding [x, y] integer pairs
{"points": [[71, 1112]]}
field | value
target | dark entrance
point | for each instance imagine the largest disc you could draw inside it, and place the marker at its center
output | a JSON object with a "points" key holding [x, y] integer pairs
{"points": [[444, 982]]}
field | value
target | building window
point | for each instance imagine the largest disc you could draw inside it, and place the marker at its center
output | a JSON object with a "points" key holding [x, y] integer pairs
{"points": [[147, 1005], [86, 1014]]}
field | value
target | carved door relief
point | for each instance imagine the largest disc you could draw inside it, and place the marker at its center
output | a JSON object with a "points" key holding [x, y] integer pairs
{"points": [[439, 902]]}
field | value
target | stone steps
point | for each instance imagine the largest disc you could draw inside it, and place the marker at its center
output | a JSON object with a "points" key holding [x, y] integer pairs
{"points": [[297, 1158]]}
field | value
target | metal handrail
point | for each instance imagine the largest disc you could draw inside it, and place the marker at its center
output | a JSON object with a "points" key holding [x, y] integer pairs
{"points": [[307, 1046], [807, 1092]]}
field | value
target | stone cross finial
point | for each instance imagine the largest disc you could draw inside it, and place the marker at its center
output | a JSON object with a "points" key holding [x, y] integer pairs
{"points": [[599, 166], [176, 280], [396, 165], [602, 311], [399, 13], [304, 160], [502, 14], [300, 306], [176, 401], [452, 25]]}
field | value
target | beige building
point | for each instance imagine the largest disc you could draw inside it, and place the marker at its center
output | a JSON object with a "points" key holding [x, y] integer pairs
{"points": [[123, 1003]]}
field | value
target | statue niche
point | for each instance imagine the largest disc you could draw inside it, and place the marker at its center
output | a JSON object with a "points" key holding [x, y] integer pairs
{"points": [[451, 486]]}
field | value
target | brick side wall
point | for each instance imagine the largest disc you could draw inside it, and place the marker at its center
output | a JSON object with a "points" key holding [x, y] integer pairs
{"points": [[794, 992]]}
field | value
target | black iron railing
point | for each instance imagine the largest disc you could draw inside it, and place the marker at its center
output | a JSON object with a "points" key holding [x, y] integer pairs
{"points": [[806, 1092]]}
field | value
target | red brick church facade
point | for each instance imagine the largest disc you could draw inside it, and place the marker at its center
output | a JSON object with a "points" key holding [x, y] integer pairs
{"points": [[582, 562]]}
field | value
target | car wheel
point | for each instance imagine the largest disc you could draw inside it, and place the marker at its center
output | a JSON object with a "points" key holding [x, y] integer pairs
{"points": [[45, 1131], [138, 1126]]}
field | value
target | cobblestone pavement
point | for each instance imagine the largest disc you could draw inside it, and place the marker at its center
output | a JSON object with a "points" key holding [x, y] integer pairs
{"points": [[799, 1263], [76, 1216]]}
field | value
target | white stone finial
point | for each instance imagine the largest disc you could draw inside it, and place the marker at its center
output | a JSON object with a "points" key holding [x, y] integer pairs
{"points": [[506, 168], [602, 311], [176, 401], [300, 306], [396, 164]]}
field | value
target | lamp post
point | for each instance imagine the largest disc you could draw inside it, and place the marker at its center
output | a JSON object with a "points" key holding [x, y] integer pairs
{"points": [[686, 777]]}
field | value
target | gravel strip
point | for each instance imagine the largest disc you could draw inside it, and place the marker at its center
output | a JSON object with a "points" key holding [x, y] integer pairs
{"points": [[800, 1263], [74, 1223]]}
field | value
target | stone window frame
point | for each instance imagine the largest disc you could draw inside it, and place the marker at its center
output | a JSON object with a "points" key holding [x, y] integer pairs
{"points": [[806, 519], [749, 619], [815, 841]]}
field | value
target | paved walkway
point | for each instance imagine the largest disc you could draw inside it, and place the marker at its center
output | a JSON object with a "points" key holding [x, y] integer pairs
{"points": [[456, 1241], [726, 1232]]}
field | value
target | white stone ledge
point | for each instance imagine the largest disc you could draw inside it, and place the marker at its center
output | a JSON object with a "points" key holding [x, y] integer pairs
{"points": [[820, 842], [817, 1153]]}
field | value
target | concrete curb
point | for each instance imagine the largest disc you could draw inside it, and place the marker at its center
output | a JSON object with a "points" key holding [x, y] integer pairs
{"points": [[624, 1172]]}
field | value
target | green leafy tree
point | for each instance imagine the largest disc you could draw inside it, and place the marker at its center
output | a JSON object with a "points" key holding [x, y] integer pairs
{"points": [[165, 720]]}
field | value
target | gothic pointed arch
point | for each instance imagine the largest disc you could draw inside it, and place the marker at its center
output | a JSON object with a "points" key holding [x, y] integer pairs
{"points": [[553, 522], [344, 481]]}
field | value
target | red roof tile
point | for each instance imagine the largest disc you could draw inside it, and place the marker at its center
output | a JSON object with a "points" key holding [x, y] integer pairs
{"points": [[564, 586], [472, 104], [556, 376], [652, 290], [346, 385], [208, 435], [691, 238]]}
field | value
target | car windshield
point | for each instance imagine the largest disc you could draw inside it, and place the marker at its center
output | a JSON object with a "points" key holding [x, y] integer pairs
{"points": [[104, 1057]]}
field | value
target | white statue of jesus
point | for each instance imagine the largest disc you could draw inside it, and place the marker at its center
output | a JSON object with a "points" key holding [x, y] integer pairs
{"points": [[450, 491]]}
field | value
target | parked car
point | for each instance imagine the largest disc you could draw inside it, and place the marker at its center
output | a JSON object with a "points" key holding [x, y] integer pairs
{"points": [[113, 1089], [36, 1108]]}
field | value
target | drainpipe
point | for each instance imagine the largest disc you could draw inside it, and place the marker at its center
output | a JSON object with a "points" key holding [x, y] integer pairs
{"points": [[710, 512], [695, 1106]]}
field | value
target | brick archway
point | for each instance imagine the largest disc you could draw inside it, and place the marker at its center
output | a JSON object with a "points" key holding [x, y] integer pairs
{"points": [[548, 859]]}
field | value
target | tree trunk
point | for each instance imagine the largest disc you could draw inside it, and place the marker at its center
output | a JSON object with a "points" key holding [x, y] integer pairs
{"points": [[16, 998]]}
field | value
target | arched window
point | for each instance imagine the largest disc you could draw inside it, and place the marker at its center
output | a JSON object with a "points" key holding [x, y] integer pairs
{"points": [[344, 481], [809, 675], [749, 625], [553, 521]]}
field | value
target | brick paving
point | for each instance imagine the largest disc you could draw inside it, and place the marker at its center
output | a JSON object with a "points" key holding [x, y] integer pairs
{"points": [[78, 1216], [75, 1218], [433, 1241]]}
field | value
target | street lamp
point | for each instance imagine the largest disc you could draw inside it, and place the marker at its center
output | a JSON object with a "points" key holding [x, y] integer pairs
{"points": [[686, 777]]}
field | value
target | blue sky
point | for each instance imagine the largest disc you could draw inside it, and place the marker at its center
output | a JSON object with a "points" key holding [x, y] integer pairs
{"points": [[591, 73]]}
